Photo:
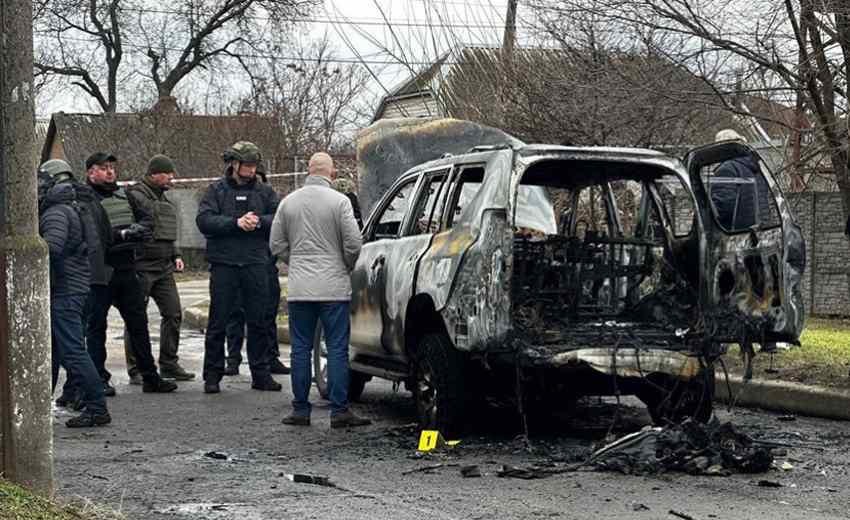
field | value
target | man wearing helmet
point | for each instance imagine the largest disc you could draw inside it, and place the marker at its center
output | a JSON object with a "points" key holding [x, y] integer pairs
{"points": [[71, 237], [235, 215]]}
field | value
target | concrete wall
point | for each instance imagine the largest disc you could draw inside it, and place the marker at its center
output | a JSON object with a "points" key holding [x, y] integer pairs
{"points": [[826, 287]]}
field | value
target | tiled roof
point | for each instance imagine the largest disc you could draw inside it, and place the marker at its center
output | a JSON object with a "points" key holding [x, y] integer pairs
{"points": [[195, 143]]}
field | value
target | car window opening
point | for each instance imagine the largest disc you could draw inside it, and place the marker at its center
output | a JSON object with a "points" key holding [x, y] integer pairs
{"points": [[599, 247]]}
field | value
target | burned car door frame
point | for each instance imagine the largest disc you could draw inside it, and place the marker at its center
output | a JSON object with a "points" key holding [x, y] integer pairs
{"points": [[386, 269], [755, 255], [368, 297]]}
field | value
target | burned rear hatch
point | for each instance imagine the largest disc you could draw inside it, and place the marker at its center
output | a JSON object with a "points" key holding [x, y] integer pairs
{"points": [[611, 263]]}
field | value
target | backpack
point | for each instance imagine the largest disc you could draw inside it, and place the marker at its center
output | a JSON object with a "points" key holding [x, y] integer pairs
{"points": [[81, 196]]}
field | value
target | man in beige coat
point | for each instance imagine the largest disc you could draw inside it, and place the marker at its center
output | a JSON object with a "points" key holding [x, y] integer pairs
{"points": [[315, 233]]}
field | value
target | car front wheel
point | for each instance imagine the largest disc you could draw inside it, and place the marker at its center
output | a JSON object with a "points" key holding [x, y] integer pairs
{"points": [[669, 399], [439, 385]]}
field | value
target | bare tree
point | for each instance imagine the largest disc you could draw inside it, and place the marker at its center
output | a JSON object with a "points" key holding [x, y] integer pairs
{"points": [[64, 29], [317, 101], [88, 41], [794, 50]]}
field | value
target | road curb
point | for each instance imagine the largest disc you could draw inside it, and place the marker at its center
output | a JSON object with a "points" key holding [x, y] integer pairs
{"points": [[196, 318], [781, 396]]}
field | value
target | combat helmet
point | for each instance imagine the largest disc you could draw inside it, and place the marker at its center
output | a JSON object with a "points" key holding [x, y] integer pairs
{"points": [[57, 170], [243, 151], [344, 185]]}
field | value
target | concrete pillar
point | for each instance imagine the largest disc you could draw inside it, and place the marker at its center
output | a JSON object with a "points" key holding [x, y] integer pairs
{"points": [[26, 437]]}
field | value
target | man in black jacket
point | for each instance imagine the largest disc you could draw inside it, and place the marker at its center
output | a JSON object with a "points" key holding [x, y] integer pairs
{"points": [[98, 240], [63, 227], [235, 215], [130, 226], [236, 322]]}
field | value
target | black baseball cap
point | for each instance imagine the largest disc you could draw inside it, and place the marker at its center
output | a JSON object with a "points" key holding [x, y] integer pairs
{"points": [[99, 158]]}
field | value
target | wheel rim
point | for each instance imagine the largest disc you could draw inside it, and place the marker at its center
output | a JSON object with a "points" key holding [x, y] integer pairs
{"points": [[320, 361], [426, 394]]}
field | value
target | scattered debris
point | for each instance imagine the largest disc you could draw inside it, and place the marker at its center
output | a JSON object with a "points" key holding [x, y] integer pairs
{"points": [[470, 471], [299, 478], [639, 507], [769, 484], [681, 515], [787, 418], [529, 473], [428, 469], [700, 449], [216, 455]]}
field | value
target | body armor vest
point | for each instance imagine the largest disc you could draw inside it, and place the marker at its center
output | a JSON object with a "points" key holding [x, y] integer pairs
{"points": [[165, 214], [118, 209]]}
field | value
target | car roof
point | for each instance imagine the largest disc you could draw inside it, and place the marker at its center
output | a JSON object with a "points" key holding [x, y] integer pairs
{"points": [[577, 152]]}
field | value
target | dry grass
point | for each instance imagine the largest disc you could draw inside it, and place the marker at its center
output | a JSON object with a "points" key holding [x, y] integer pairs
{"points": [[823, 359], [20, 504]]}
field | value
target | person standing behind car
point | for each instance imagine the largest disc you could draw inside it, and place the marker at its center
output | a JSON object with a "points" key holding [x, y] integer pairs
{"points": [[124, 290], [347, 188], [158, 259], [62, 227], [316, 234], [235, 215], [741, 206]]}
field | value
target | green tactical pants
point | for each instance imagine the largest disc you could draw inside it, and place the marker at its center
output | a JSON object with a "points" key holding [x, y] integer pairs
{"points": [[160, 286]]}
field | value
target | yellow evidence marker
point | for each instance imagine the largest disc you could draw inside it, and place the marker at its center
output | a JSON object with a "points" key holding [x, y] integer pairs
{"points": [[431, 439]]}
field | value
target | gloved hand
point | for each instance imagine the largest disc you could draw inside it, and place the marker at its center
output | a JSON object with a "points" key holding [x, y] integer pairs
{"points": [[136, 233]]}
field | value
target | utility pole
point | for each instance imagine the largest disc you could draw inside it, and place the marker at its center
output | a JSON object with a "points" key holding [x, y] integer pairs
{"points": [[510, 29], [26, 436]]}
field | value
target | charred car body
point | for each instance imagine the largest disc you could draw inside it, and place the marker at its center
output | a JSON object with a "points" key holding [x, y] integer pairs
{"points": [[566, 271]]}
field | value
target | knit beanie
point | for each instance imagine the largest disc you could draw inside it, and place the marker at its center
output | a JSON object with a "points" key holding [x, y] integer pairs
{"points": [[160, 164]]}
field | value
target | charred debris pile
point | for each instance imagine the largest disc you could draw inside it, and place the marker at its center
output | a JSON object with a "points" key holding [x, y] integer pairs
{"points": [[716, 448]]}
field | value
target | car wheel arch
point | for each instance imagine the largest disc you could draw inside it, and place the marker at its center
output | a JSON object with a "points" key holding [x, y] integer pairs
{"points": [[421, 319]]}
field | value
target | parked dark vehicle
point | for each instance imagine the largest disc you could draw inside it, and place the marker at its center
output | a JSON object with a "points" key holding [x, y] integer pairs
{"points": [[580, 271]]}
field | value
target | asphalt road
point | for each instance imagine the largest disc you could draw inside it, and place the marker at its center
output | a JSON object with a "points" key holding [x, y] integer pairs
{"points": [[152, 462]]}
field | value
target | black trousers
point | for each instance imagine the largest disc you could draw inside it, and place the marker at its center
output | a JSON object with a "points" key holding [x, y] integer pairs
{"points": [[228, 285], [236, 322], [125, 293]]}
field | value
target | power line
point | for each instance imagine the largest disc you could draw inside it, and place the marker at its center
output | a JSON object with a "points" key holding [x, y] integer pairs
{"points": [[352, 60], [368, 22]]}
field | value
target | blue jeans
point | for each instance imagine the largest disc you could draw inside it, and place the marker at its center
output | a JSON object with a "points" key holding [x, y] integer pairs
{"points": [[336, 323], [66, 329]]}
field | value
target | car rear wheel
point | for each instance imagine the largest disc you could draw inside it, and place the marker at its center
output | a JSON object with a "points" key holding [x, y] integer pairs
{"points": [[439, 385], [670, 399], [356, 380]]}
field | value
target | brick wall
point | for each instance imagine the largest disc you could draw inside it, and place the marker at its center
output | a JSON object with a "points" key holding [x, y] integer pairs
{"points": [[826, 286]]}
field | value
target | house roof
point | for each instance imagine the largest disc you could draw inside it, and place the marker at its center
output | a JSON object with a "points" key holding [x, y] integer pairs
{"points": [[461, 82], [194, 142]]}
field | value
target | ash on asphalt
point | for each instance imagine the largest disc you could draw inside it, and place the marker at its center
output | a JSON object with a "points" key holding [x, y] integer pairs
{"points": [[150, 462]]}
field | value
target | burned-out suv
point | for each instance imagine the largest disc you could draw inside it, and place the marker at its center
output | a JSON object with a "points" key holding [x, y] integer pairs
{"points": [[572, 271]]}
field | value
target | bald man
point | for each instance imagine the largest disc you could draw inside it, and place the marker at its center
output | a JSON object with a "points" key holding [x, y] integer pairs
{"points": [[315, 233]]}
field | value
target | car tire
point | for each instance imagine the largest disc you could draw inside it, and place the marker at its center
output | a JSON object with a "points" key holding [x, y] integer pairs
{"points": [[439, 385], [356, 384], [356, 380], [669, 399]]}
